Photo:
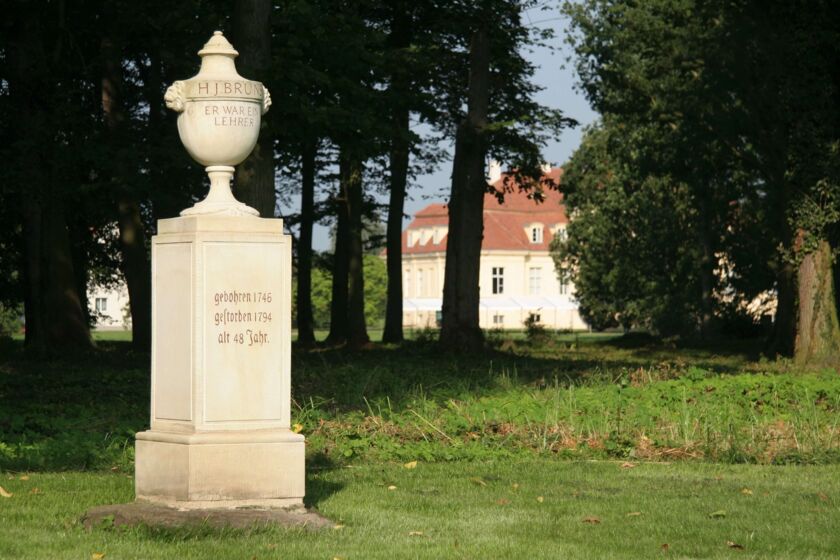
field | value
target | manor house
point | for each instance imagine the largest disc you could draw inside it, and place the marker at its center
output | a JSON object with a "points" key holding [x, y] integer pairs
{"points": [[517, 276]]}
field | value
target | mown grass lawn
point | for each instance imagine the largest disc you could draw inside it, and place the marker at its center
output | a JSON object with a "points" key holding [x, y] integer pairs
{"points": [[500, 509], [519, 453]]}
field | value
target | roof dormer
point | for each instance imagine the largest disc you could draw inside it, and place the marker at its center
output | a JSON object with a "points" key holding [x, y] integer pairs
{"points": [[534, 231]]}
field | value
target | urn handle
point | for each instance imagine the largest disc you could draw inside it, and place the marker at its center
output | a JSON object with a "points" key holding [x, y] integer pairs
{"points": [[266, 101], [174, 96]]}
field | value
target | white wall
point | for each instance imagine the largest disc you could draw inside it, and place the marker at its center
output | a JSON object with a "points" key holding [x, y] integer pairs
{"points": [[115, 301]]}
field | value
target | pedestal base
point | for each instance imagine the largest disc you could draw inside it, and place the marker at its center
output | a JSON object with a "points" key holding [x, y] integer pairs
{"points": [[225, 469]]}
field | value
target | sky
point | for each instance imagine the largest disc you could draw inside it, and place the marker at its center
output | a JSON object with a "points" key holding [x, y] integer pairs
{"points": [[558, 78]]}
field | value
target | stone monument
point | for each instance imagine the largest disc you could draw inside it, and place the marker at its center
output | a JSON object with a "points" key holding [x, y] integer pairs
{"points": [[221, 308]]}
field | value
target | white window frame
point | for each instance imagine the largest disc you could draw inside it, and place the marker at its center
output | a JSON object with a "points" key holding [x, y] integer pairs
{"points": [[537, 234], [101, 304], [534, 280], [498, 280]]}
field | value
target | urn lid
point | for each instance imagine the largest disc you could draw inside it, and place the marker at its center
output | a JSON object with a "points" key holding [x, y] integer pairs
{"points": [[218, 44]]}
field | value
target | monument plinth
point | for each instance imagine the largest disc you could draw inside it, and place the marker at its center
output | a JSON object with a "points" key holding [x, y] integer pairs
{"points": [[221, 307]]}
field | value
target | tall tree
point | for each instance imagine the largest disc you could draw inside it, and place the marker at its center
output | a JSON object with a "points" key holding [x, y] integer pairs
{"points": [[353, 195], [135, 258], [459, 327], [37, 47], [254, 183], [305, 319]]}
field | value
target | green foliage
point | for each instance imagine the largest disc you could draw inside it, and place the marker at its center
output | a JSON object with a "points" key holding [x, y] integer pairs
{"points": [[376, 287], [10, 320], [535, 332], [572, 397], [735, 105], [630, 248]]}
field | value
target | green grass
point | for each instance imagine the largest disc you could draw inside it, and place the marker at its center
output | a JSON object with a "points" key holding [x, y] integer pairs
{"points": [[471, 510], [557, 418]]}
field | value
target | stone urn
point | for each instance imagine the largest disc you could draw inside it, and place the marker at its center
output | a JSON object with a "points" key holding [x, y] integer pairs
{"points": [[219, 122]]}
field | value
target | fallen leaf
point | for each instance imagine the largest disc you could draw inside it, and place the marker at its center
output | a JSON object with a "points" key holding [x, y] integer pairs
{"points": [[297, 428], [24, 477], [591, 520], [392, 487], [271, 546], [503, 501], [665, 547], [540, 499], [734, 545], [415, 533], [337, 558], [628, 465], [4, 493], [746, 491], [338, 526], [718, 513], [35, 490], [411, 465], [97, 556], [718, 478], [115, 468], [634, 514], [515, 486], [822, 497], [478, 481]]}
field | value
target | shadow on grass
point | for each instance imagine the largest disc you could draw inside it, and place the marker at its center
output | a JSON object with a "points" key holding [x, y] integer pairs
{"points": [[63, 412]]}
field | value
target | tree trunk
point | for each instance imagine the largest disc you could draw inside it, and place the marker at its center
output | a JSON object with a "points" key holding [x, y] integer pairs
{"points": [[707, 267], [351, 179], [135, 258], [460, 325], [399, 175], [339, 329], [54, 316], [781, 341], [818, 330], [35, 333], [63, 316], [254, 183], [306, 329], [401, 81], [80, 238]]}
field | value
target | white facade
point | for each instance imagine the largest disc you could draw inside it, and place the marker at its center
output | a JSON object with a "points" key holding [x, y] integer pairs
{"points": [[525, 283]]}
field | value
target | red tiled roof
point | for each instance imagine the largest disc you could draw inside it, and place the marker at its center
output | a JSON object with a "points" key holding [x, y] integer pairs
{"points": [[504, 223]]}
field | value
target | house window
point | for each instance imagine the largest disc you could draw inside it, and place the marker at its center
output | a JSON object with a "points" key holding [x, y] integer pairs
{"points": [[102, 304], [420, 290], [534, 277], [498, 280], [498, 319], [564, 286], [407, 277], [536, 234], [535, 317], [560, 234]]}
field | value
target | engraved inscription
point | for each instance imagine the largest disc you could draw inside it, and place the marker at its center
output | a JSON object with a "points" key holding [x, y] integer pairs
{"points": [[234, 88], [232, 115], [238, 317]]}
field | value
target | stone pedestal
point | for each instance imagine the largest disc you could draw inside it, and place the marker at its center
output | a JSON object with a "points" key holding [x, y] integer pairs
{"points": [[221, 361]]}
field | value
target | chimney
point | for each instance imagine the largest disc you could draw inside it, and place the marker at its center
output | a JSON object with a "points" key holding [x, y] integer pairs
{"points": [[494, 172]]}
